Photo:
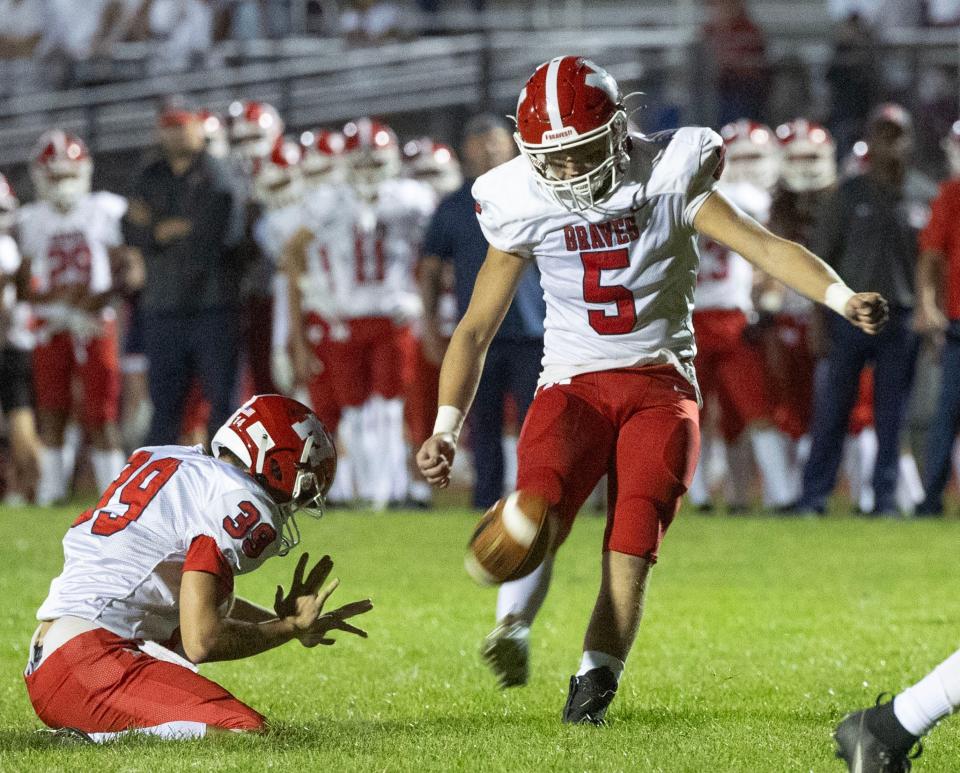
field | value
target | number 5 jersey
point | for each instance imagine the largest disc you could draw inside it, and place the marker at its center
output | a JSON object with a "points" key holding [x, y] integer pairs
{"points": [[124, 557], [618, 280]]}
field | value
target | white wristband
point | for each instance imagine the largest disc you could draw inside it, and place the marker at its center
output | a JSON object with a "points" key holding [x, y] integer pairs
{"points": [[449, 419], [836, 297]]}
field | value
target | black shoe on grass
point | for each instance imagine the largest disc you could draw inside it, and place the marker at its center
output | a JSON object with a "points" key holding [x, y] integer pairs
{"points": [[873, 741], [589, 697]]}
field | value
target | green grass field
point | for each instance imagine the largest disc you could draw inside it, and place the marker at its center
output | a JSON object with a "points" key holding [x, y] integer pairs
{"points": [[759, 634]]}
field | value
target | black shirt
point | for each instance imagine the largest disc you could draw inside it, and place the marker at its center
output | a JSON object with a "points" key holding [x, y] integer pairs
{"points": [[195, 272]]}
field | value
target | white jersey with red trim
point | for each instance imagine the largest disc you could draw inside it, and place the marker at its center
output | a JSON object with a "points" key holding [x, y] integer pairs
{"points": [[70, 248], [329, 213], [275, 227], [618, 279], [725, 279], [387, 237], [15, 315], [123, 558]]}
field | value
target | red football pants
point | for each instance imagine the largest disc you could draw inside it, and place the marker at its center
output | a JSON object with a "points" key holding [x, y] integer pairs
{"points": [[640, 426], [99, 682]]}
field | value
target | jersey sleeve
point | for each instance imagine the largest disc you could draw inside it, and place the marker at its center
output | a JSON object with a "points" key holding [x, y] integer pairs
{"points": [[706, 166], [245, 527], [935, 235], [498, 221], [204, 555], [111, 209]]}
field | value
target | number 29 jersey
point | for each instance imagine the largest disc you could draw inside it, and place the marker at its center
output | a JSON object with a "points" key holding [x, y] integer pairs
{"points": [[618, 279], [124, 557]]}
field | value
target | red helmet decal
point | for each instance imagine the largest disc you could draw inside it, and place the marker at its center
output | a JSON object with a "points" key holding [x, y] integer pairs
{"points": [[564, 98]]}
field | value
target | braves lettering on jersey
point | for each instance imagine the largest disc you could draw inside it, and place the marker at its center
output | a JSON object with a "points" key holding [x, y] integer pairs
{"points": [[725, 279], [387, 236], [618, 280], [69, 248], [123, 558]]}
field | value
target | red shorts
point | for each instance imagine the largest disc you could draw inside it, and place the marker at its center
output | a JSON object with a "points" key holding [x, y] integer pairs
{"points": [[371, 362], [789, 369], [731, 369], [96, 365], [421, 384], [99, 682], [639, 426], [330, 354]]}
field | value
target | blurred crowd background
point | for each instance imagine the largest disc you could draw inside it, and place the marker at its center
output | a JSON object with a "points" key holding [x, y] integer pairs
{"points": [[255, 150]]}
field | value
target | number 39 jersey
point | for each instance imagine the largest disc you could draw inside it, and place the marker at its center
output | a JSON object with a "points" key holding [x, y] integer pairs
{"points": [[124, 557], [618, 280]]}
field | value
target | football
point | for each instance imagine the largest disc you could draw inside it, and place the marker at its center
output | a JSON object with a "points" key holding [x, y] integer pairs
{"points": [[510, 540]]}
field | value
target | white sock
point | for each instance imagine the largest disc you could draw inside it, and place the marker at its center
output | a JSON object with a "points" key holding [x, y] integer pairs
{"points": [[342, 488], [772, 455], [168, 731], [699, 491], [106, 466], [376, 468], [509, 445], [864, 459], [595, 659], [72, 440], [524, 597], [351, 430], [52, 484], [420, 491], [398, 452], [739, 471], [920, 707], [909, 492]]}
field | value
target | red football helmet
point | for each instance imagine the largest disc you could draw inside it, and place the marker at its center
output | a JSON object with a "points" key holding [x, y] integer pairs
{"points": [[287, 450], [752, 154], [322, 154], [808, 156], [572, 127], [8, 205], [253, 128], [276, 176], [61, 168], [433, 163], [951, 146], [372, 153]]}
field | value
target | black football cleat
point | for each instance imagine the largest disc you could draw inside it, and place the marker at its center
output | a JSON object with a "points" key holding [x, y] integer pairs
{"points": [[66, 736], [589, 697], [864, 752]]}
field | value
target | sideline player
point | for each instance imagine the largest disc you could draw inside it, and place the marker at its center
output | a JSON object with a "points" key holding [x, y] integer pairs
{"points": [[611, 217], [146, 590], [71, 240]]}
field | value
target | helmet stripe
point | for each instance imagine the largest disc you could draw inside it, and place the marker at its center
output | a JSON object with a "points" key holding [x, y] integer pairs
{"points": [[553, 104]]}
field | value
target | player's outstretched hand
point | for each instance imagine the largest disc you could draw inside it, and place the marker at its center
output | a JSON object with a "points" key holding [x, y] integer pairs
{"points": [[867, 311], [435, 459], [302, 607]]}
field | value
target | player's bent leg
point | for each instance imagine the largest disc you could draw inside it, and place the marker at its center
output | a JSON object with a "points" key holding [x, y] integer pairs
{"points": [[99, 683]]}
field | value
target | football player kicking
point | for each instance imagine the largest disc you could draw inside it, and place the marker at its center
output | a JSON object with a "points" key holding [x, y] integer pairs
{"points": [[611, 217], [146, 590]]}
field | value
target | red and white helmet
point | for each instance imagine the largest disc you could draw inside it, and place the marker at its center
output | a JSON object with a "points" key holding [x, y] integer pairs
{"points": [[433, 163], [61, 168], [808, 156], [572, 127], [215, 132], [322, 156], [951, 146], [253, 129], [752, 154], [372, 154], [8, 205], [287, 450], [276, 176]]}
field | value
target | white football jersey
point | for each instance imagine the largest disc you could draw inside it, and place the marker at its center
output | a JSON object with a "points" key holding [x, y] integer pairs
{"points": [[72, 247], [387, 236], [329, 212], [618, 280], [725, 280], [123, 558], [15, 316], [275, 227]]}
